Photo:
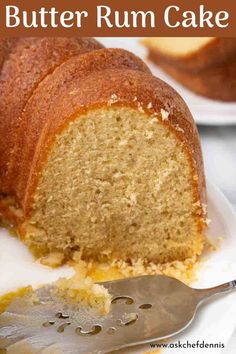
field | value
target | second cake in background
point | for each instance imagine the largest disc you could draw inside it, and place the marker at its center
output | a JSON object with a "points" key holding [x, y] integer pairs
{"points": [[205, 65]]}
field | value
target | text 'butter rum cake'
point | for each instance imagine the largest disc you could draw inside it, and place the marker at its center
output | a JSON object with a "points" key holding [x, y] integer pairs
{"points": [[97, 154], [205, 65]]}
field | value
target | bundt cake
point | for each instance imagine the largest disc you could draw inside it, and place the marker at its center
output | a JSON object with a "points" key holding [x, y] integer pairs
{"points": [[97, 155], [205, 65]]}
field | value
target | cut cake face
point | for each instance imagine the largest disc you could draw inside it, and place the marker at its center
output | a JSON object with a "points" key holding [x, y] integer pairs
{"points": [[107, 161]]}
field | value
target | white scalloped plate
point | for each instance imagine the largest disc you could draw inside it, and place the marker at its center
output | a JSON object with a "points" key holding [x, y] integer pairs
{"points": [[204, 110], [214, 323]]}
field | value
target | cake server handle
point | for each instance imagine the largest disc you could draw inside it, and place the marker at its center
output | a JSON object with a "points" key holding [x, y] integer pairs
{"points": [[204, 294]]}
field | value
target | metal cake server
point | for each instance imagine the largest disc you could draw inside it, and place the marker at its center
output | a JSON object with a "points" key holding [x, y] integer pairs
{"points": [[143, 309]]}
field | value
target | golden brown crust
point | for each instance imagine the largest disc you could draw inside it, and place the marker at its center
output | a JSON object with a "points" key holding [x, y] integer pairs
{"points": [[218, 82], [218, 52], [9, 213], [26, 63]]}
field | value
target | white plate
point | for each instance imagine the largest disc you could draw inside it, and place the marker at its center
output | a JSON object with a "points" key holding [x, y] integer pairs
{"points": [[205, 111], [214, 323]]}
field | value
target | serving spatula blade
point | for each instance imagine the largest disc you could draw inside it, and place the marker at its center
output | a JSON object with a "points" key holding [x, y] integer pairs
{"points": [[144, 309]]}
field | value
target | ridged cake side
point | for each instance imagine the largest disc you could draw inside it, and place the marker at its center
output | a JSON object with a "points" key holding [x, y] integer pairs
{"points": [[26, 62], [218, 82]]}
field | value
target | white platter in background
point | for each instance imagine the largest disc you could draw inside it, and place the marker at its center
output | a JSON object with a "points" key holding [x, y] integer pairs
{"points": [[204, 111], [214, 323]]}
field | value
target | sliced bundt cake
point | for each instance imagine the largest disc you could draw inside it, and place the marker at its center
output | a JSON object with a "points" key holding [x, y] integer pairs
{"points": [[107, 161]]}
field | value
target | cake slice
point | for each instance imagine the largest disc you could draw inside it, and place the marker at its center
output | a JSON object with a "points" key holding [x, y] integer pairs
{"points": [[83, 293], [77, 291], [205, 65]]}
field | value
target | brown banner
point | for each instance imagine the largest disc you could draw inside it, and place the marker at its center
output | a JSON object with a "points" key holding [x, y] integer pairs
{"points": [[118, 18]]}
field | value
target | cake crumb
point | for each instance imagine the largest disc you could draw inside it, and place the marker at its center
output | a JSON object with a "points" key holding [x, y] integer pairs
{"points": [[140, 108], [123, 142], [73, 92], [177, 127], [164, 114], [204, 208], [153, 120], [113, 99], [185, 271], [133, 198], [149, 135], [212, 247], [53, 260], [197, 204]]}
